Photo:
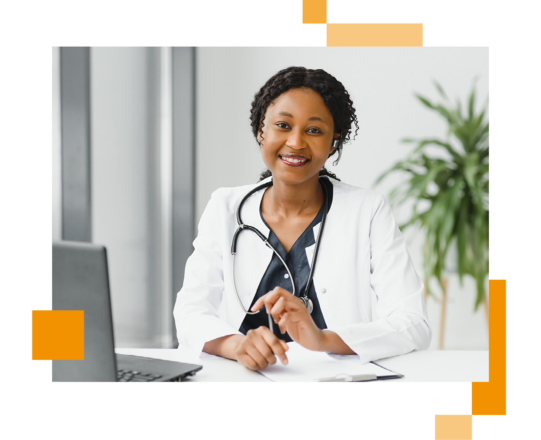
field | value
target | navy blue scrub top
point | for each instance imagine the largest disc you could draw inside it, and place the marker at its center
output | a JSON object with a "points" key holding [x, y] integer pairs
{"points": [[297, 261]]}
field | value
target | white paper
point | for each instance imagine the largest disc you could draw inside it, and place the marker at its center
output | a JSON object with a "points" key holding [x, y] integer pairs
{"points": [[311, 366]]}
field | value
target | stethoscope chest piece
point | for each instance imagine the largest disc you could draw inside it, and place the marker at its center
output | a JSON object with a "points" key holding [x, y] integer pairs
{"points": [[308, 304]]}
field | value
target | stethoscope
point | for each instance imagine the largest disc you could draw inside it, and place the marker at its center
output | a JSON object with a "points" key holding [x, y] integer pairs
{"points": [[241, 227]]}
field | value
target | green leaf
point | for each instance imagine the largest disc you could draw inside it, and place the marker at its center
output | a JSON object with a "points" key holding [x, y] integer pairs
{"points": [[425, 101], [434, 250], [485, 130], [483, 154], [478, 120], [471, 104], [451, 215], [458, 109], [463, 134], [471, 164], [479, 297], [419, 185], [461, 242], [480, 248], [397, 166], [403, 166], [447, 114], [448, 147], [440, 89]]}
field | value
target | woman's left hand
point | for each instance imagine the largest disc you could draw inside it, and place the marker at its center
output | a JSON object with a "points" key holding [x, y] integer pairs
{"points": [[292, 317]]}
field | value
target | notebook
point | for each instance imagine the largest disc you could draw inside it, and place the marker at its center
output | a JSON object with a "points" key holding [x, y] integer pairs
{"points": [[312, 366]]}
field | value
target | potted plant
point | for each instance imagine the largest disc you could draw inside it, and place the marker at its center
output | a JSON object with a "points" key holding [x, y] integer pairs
{"points": [[450, 194]]}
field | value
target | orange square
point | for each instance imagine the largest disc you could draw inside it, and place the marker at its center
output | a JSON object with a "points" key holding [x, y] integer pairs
{"points": [[314, 11], [58, 335]]}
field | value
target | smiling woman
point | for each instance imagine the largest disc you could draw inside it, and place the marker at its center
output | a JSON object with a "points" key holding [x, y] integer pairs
{"points": [[324, 88], [299, 132], [300, 118]]}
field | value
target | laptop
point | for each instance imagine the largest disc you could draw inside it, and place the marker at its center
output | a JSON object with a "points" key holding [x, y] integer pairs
{"points": [[81, 282]]}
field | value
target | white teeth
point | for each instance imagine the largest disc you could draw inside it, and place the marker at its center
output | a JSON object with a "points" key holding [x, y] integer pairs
{"points": [[292, 160]]}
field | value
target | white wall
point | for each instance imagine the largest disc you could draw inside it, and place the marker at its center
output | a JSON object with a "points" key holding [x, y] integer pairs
{"points": [[125, 130], [381, 82]]}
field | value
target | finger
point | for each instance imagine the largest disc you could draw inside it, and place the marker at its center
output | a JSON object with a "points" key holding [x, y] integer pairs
{"points": [[269, 298], [263, 301], [258, 358], [284, 344], [284, 321], [244, 358], [266, 300], [259, 303], [278, 308], [247, 361], [276, 347], [265, 350], [272, 298], [289, 303]]}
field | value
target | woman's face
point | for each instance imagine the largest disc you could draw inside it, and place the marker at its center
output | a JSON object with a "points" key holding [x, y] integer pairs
{"points": [[297, 136]]}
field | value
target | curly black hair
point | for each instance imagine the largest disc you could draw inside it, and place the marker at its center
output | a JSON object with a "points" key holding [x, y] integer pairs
{"points": [[332, 91]]}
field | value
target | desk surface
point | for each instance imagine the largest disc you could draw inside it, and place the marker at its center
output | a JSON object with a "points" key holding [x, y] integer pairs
{"points": [[418, 366]]}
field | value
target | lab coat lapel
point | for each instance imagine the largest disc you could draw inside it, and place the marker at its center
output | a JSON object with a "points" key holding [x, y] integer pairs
{"points": [[334, 213], [253, 257], [322, 277], [325, 279], [310, 249]]}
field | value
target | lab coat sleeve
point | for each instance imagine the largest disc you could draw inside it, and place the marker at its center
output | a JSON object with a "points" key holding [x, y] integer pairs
{"points": [[198, 302], [403, 325]]}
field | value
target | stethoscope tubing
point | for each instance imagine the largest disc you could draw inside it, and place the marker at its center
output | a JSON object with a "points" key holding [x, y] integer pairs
{"points": [[242, 226]]}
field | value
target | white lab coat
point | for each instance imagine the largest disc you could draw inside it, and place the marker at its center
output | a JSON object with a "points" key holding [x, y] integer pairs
{"points": [[361, 248]]}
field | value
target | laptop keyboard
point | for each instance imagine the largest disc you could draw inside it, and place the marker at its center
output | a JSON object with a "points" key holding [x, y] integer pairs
{"points": [[135, 376]]}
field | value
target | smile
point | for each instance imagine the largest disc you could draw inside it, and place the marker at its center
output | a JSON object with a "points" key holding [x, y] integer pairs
{"points": [[294, 161]]}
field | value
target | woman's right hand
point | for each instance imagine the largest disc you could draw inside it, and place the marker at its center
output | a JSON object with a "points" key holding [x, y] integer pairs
{"points": [[259, 348]]}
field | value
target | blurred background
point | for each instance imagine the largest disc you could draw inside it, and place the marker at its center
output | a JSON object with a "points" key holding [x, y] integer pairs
{"points": [[143, 136]]}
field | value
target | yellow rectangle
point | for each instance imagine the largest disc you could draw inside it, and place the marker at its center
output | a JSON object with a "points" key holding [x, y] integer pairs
{"points": [[58, 335], [314, 11], [375, 34], [453, 427]]}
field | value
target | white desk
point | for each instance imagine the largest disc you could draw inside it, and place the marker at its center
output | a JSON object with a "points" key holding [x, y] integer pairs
{"points": [[419, 366]]}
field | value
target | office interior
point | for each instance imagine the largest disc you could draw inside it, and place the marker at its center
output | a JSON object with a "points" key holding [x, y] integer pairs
{"points": [[142, 136]]}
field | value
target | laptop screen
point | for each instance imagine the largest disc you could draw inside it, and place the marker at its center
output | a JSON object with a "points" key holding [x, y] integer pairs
{"points": [[81, 282]]}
